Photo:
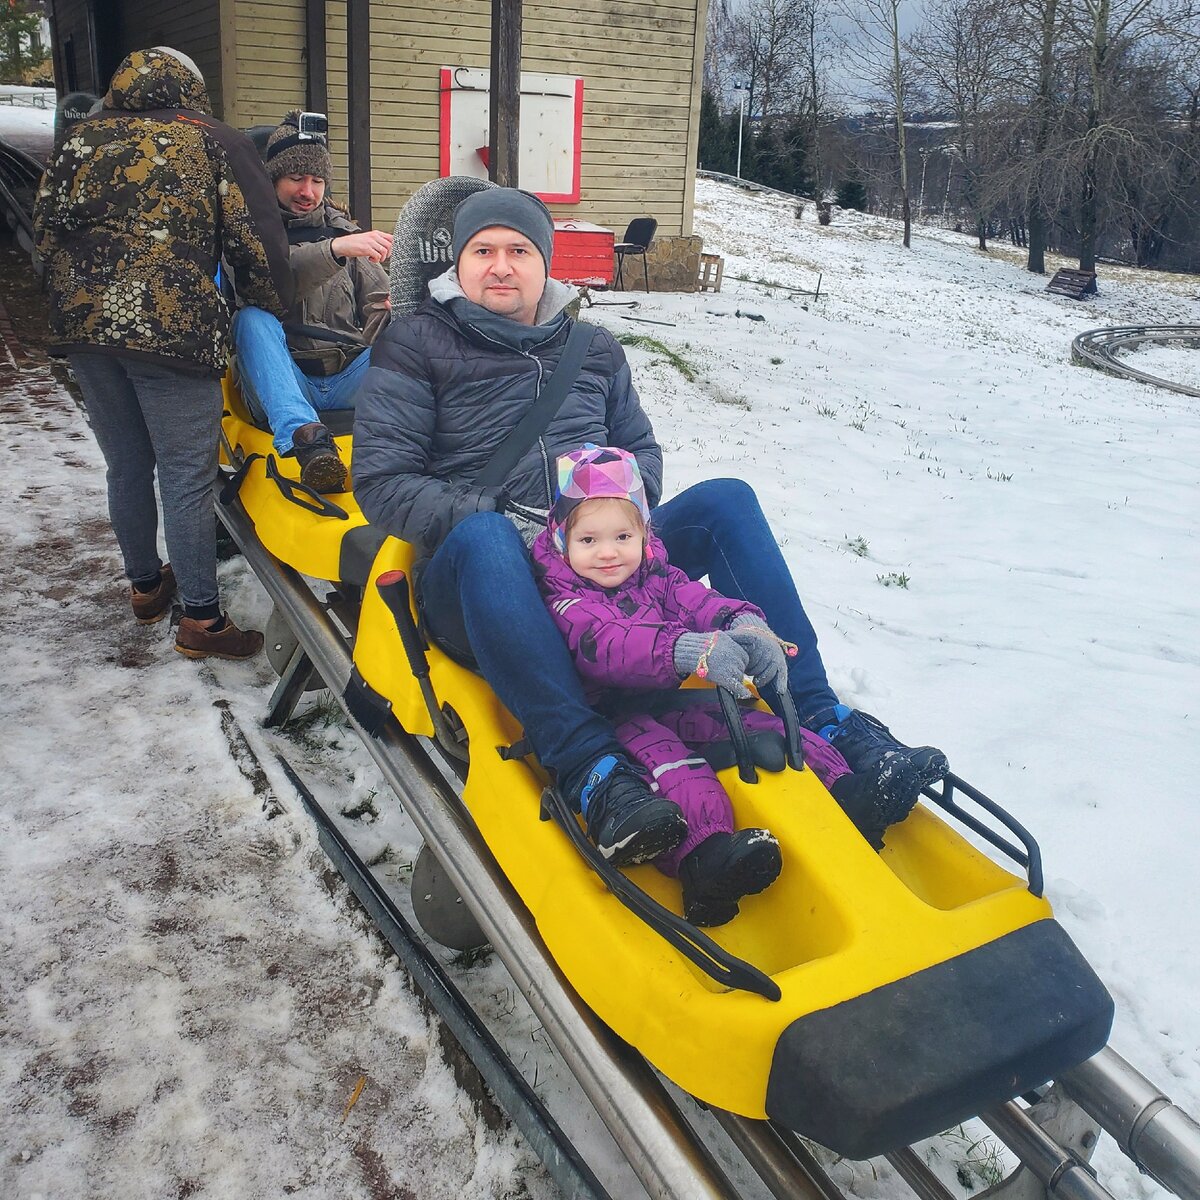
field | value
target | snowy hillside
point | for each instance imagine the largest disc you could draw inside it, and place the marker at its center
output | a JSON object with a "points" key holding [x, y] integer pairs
{"points": [[999, 551]]}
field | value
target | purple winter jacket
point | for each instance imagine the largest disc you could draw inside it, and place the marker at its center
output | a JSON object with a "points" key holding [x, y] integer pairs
{"points": [[624, 637]]}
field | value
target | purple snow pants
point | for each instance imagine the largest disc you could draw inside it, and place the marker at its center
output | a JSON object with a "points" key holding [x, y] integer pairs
{"points": [[664, 746]]}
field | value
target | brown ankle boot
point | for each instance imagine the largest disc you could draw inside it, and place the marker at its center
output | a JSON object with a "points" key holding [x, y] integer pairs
{"points": [[194, 640], [320, 467], [149, 607]]}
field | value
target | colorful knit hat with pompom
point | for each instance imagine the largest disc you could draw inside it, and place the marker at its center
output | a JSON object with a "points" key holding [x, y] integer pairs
{"points": [[595, 473]]}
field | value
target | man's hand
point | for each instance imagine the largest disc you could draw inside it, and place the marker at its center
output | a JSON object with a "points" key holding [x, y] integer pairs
{"points": [[371, 244]]}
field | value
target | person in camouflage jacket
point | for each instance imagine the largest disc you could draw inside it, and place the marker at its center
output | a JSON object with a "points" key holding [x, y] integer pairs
{"points": [[137, 208]]}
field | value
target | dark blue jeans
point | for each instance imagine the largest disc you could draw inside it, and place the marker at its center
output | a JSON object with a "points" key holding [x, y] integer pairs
{"points": [[479, 598], [718, 529]]}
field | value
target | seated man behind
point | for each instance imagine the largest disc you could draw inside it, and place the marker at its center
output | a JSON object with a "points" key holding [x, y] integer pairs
{"points": [[314, 359]]}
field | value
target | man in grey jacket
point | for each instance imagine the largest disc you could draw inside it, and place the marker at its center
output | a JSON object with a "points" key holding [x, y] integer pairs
{"points": [[315, 359], [445, 388]]}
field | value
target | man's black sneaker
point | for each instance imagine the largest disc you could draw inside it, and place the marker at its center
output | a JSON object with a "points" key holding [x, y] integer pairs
{"points": [[864, 741], [626, 821], [724, 868], [320, 466]]}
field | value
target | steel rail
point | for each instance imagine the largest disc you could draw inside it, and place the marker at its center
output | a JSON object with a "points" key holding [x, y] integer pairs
{"points": [[664, 1152], [773, 1161], [523, 1106], [1097, 348], [909, 1166], [18, 170], [1063, 1175], [1162, 1139]]}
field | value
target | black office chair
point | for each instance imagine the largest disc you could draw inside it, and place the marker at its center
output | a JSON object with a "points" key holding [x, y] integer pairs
{"points": [[637, 240]]}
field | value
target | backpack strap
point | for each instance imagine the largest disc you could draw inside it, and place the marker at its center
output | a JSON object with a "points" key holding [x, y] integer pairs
{"points": [[537, 419]]}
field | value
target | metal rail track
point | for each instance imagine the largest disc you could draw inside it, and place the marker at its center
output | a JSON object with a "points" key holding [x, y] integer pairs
{"points": [[669, 1157], [1100, 348], [652, 1131], [19, 176]]}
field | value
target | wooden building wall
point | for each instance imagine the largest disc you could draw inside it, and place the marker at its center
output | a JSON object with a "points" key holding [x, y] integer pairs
{"points": [[119, 26], [640, 63], [262, 58]]}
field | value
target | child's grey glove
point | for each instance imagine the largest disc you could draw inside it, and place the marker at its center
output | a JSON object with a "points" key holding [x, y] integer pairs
{"points": [[766, 655], [715, 657]]}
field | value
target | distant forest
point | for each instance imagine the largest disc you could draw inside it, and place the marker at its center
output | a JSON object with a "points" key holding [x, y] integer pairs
{"points": [[1063, 125]]}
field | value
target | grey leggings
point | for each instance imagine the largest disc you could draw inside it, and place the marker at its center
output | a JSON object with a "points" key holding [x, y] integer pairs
{"points": [[146, 416]]}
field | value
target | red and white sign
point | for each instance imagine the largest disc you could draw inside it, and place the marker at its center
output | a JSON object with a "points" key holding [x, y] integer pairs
{"points": [[551, 130]]}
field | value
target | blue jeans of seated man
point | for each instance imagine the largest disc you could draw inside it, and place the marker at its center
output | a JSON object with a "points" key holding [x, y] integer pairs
{"points": [[718, 529], [479, 597], [276, 390]]}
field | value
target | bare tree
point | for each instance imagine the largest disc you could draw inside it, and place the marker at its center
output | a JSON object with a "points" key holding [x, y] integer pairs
{"points": [[768, 41], [964, 52], [718, 49], [875, 54], [817, 55], [1110, 30]]}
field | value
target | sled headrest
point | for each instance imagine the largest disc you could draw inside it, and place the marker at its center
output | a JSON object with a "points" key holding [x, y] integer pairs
{"points": [[422, 247]]}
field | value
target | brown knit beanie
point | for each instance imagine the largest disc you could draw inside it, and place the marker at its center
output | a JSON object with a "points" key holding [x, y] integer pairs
{"points": [[288, 155]]}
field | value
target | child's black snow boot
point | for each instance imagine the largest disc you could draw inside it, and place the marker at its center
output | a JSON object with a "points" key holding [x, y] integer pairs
{"points": [[724, 868], [626, 821]]}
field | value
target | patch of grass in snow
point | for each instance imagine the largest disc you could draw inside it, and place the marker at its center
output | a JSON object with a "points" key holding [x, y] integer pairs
{"points": [[468, 958], [976, 1160], [364, 810], [312, 728], [654, 346], [826, 410], [893, 579], [999, 476], [858, 545]]}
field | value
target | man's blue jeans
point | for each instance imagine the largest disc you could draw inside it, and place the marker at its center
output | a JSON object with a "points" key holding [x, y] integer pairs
{"points": [[276, 390], [479, 597]]}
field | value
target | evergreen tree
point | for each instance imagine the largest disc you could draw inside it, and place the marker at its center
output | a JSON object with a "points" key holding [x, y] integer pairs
{"points": [[713, 150], [852, 194], [20, 47]]}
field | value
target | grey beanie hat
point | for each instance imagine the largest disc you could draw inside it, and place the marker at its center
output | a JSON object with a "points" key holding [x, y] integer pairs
{"points": [[286, 154], [511, 208]]}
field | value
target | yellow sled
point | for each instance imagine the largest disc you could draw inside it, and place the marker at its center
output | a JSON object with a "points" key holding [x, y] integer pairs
{"points": [[904, 991]]}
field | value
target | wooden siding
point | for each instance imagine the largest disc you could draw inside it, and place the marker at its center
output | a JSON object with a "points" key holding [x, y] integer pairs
{"points": [[640, 63], [192, 26], [266, 53]]}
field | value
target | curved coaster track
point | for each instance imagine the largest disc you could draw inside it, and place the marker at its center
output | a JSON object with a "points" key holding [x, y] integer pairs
{"points": [[1101, 348]]}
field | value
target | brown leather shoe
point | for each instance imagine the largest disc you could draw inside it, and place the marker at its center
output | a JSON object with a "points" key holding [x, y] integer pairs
{"points": [[149, 607], [194, 640], [320, 467]]}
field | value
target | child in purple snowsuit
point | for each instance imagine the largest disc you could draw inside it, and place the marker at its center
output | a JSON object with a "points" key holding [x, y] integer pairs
{"points": [[635, 623]]}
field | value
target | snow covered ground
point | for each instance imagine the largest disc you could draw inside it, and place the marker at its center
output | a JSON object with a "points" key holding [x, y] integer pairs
{"points": [[998, 549]]}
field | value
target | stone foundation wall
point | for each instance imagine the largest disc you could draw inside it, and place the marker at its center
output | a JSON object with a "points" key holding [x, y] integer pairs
{"points": [[673, 264]]}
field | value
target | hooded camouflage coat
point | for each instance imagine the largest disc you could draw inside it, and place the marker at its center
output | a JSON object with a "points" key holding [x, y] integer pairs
{"points": [[134, 213]]}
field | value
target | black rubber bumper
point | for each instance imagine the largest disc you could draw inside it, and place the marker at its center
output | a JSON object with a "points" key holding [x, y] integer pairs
{"points": [[920, 1055]]}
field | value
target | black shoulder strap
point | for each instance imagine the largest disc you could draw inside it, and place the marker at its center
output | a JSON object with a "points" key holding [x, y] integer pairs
{"points": [[537, 420]]}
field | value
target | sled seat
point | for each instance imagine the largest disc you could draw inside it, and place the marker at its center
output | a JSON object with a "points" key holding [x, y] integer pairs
{"points": [[325, 537]]}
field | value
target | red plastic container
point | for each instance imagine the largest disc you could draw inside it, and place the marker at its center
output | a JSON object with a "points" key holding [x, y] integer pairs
{"points": [[583, 253]]}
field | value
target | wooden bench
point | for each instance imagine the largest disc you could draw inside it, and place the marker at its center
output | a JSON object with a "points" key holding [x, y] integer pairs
{"points": [[1076, 284]]}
